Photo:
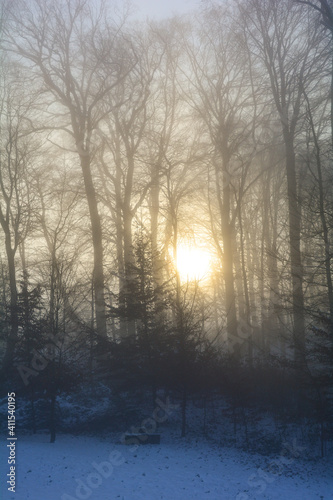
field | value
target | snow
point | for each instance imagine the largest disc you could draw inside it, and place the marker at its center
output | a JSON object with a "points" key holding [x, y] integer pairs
{"points": [[76, 467]]}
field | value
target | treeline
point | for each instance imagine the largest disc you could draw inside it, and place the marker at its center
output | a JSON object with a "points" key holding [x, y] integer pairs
{"points": [[122, 140]]}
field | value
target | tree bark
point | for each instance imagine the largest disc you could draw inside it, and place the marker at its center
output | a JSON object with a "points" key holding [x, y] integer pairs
{"points": [[96, 232], [295, 252], [228, 273]]}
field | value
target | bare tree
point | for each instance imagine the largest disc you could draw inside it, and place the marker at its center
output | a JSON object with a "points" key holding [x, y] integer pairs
{"points": [[15, 153], [289, 48], [316, 159], [79, 56], [221, 96], [122, 164], [325, 9]]}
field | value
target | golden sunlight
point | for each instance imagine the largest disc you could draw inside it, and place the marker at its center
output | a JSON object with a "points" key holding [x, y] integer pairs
{"points": [[193, 262]]}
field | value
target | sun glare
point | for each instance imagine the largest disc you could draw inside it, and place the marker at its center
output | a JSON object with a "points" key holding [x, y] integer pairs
{"points": [[193, 262]]}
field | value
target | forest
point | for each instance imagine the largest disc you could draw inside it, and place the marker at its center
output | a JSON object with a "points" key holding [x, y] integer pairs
{"points": [[166, 217]]}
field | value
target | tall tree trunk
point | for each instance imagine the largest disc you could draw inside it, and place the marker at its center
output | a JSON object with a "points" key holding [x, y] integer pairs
{"points": [[323, 216], [154, 212], [295, 252], [228, 273], [120, 236], [13, 331], [96, 231], [247, 311], [129, 267]]}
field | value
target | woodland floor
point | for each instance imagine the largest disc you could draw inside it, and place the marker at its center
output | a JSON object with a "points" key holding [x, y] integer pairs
{"points": [[177, 469]]}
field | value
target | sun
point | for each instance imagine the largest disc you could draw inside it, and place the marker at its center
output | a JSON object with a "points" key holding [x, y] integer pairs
{"points": [[193, 262]]}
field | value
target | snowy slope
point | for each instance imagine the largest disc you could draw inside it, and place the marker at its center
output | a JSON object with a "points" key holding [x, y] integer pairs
{"points": [[73, 468]]}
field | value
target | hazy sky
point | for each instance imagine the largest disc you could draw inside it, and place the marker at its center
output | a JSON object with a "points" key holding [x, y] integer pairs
{"points": [[163, 8]]}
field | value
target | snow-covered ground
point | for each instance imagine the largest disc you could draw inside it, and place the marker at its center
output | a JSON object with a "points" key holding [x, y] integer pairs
{"points": [[79, 468]]}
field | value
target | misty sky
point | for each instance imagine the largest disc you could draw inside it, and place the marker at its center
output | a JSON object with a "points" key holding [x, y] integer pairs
{"points": [[164, 8]]}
